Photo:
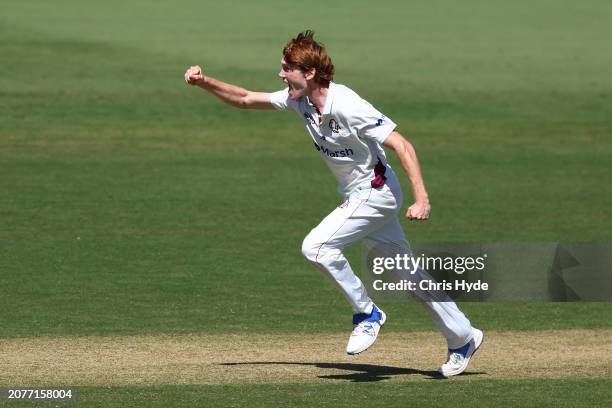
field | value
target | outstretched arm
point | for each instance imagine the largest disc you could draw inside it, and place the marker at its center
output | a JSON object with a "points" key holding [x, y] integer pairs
{"points": [[228, 93], [421, 209]]}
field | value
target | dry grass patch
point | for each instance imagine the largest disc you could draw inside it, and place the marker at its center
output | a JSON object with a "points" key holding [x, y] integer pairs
{"points": [[276, 358]]}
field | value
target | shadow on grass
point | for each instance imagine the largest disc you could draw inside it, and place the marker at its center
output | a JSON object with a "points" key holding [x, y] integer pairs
{"points": [[362, 372]]}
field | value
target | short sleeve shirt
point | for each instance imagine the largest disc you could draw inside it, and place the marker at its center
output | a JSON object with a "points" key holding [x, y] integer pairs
{"points": [[348, 134]]}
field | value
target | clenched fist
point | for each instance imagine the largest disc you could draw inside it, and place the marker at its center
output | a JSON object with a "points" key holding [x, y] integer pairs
{"points": [[194, 75], [419, 211]]}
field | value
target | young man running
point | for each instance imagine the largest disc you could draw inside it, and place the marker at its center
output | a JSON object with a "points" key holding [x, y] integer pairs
{"points": [[348, 133]]}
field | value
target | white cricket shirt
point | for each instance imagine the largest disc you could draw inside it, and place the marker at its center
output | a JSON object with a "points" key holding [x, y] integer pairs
{"points": [[348, 135]]}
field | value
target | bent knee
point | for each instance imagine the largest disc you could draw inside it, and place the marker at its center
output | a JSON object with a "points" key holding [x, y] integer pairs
{"points": [[319, 252], [310, 249]]}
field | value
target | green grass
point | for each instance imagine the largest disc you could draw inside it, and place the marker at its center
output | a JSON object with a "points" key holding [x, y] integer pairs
{"points": [[132, 203], [487, 393]]}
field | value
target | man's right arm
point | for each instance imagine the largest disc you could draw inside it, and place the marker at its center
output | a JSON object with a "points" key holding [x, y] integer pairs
{"points": [[228, 93]]}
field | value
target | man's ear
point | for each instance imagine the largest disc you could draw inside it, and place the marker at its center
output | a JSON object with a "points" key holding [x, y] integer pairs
{"points": [[310, 74]]}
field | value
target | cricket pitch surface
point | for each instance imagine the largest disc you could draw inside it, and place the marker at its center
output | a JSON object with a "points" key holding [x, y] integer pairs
{"points": [[290, 358]]}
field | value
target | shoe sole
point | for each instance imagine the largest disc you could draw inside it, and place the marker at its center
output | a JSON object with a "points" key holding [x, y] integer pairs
{"points": [[382, 323], [476, 348]]}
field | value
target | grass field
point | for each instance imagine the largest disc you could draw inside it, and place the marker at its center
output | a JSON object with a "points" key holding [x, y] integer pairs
{"points": [[134, 206]]}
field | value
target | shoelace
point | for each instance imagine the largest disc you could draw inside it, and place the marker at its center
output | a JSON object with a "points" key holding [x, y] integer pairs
{"points": [[363, 328], [455, 358]]}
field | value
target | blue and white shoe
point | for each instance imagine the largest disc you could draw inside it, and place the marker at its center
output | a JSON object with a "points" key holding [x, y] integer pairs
{"points": [[458, 359], [365, 330]]}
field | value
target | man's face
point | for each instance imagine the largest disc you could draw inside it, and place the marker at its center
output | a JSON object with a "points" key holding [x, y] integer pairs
{"points": [[295, 80]]}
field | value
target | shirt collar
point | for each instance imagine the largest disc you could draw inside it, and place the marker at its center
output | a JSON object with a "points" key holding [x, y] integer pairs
{"points": [[329, 100]]}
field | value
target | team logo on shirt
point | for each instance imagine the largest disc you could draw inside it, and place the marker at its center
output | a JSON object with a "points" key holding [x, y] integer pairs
{"points": [[334, 126], [380, 121]]}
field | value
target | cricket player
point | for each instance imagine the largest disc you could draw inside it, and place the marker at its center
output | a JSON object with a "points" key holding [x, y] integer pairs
{"points": [[349, 134]]}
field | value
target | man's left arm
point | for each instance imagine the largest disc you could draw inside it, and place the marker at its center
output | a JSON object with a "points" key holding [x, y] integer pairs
{"points": [[421, 209]]}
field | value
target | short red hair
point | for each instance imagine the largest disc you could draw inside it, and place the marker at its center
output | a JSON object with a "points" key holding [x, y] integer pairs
{"points": [[305, 53]]}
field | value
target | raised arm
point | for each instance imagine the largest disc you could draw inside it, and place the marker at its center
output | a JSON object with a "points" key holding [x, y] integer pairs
{"points": [[421, 209], [228, 93]]}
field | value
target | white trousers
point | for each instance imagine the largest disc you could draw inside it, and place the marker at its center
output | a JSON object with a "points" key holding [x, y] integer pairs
{"points": [[370, 214]]}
